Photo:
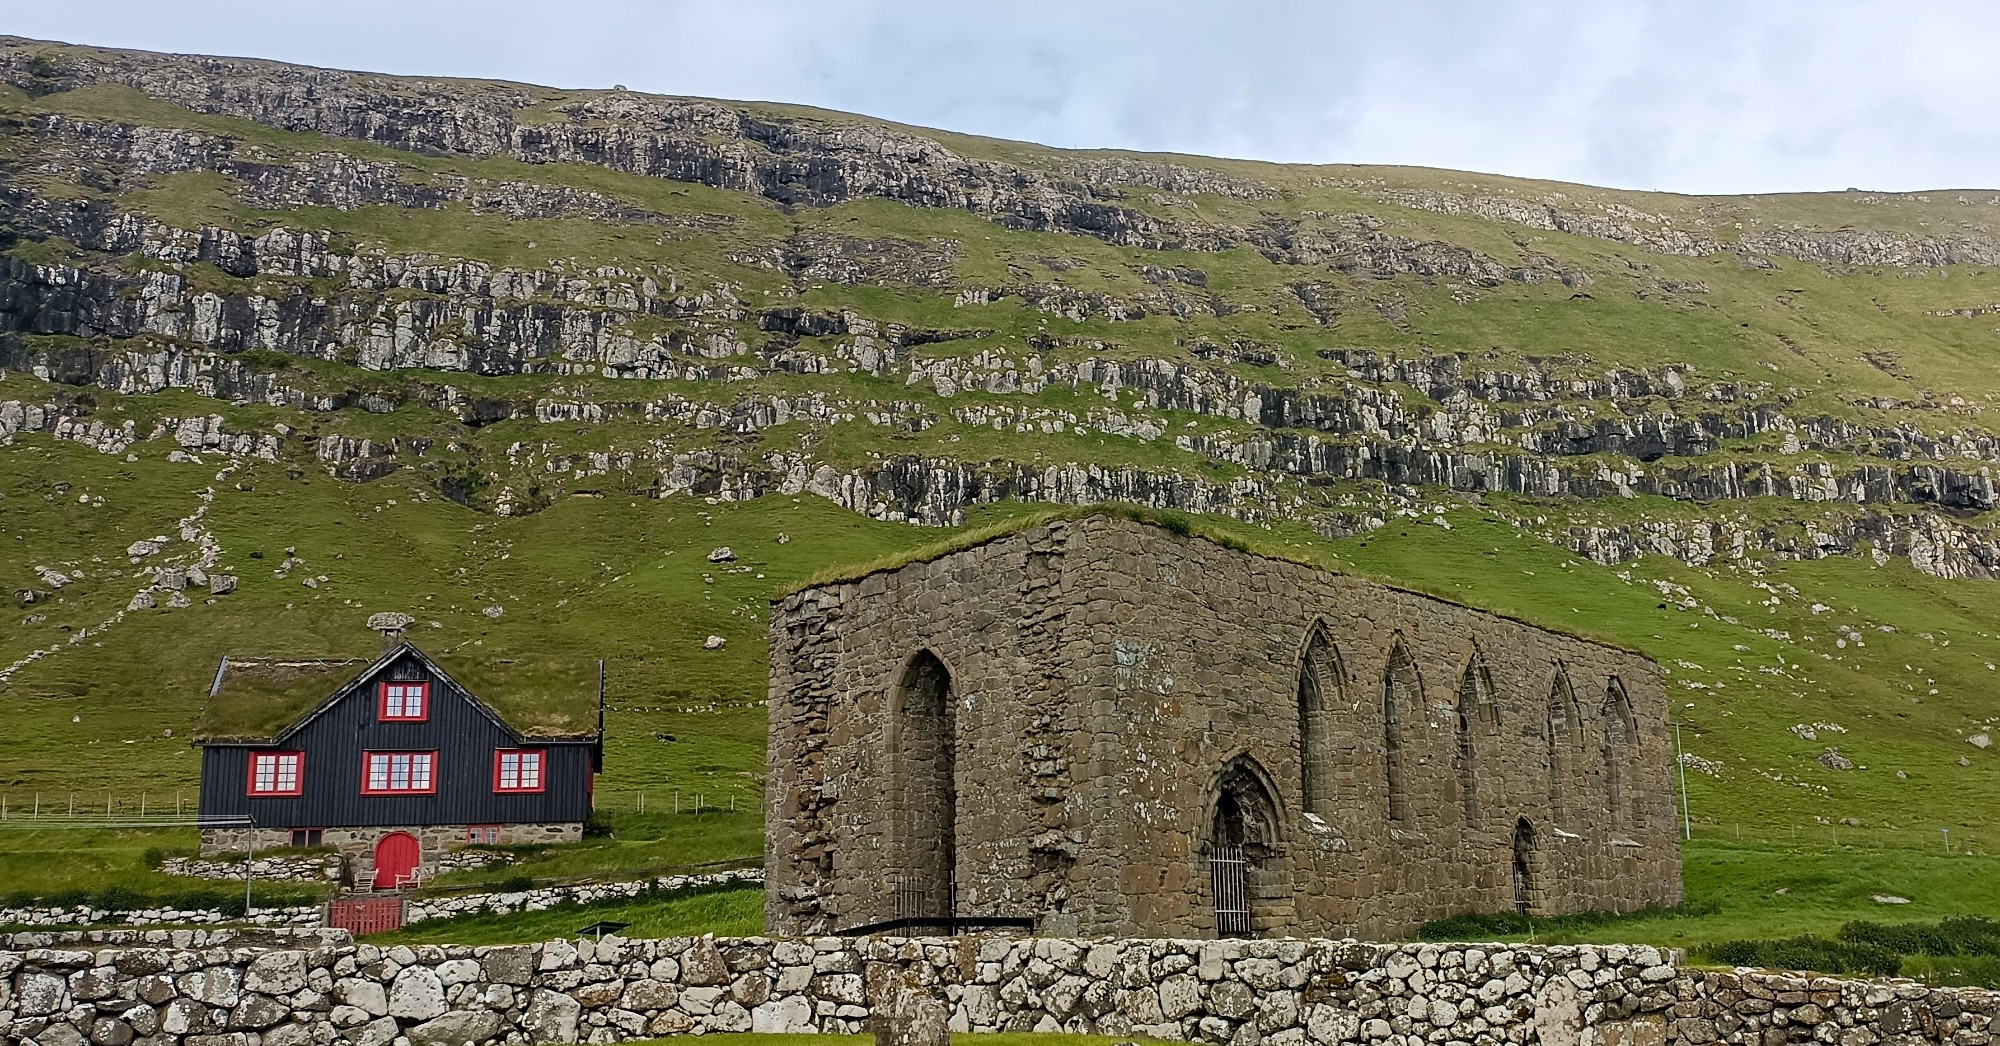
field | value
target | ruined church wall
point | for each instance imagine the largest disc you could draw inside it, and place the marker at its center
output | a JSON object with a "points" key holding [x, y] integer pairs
{"points": [[1103, 674], [1192, 655], [839, 807]]}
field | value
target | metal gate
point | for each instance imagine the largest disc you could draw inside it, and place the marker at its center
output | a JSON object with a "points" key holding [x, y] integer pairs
{"points": [[364, 915], [919, 898], [1229, 873]]}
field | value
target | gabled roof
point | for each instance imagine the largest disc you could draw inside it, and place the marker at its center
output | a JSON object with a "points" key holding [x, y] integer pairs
{"points": [[263, 700]]}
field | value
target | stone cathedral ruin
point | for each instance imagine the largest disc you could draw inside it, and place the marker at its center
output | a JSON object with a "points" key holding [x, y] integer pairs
{"points": [[1099, 726]]}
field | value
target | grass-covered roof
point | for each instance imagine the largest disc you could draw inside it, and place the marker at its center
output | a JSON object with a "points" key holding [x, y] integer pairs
{"points": [[1236, 536], [259, 698]]}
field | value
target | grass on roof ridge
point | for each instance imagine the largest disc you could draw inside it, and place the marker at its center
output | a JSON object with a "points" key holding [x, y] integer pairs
{"points": [[1187, 524]]}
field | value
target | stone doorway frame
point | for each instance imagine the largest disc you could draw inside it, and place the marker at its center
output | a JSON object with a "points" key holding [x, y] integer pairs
{"points": [[1242, 817]]}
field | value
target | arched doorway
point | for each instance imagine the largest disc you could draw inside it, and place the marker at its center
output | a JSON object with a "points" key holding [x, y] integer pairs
{"points": [[396, 857], [1243, 847], [925, 790], [1526, 864]]}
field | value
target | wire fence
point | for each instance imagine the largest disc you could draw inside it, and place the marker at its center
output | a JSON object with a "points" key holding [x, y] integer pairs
{"points": [[181, 807], [106, 809]]}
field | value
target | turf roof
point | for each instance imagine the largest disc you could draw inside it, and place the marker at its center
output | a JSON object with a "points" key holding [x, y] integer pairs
{"points": [[1172, 520], [256, 699]]}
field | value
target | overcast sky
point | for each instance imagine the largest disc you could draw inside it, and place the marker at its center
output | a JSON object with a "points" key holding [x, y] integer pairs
{"points": [[1704, 96]]}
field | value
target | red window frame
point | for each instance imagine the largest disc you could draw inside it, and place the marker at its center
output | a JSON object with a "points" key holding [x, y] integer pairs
{"points": [[298, 775], [483, 834], [368, 763], [423, 698], [541, 784]]}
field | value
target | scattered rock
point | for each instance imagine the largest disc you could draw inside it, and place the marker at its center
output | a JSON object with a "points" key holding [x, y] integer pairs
{"points": [[142, 601], [1889, 898], [221, 584], [1980, 741], [142, 548], [722, 555], [1833, 760], [714, 643], [494, 611]]}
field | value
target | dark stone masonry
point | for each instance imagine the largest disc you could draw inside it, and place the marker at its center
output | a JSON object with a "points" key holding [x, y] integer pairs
{"points": [[1101, 727]]}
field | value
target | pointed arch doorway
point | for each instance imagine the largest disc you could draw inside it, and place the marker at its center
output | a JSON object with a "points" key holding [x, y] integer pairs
{"points": [[1527, 862], [1243, 855]]}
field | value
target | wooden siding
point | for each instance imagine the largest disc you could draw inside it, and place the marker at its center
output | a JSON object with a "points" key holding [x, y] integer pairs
{"points": [[335, 739]]}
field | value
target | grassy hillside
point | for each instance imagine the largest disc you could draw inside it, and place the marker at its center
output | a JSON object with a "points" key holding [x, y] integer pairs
{"points": [[518, 370]]}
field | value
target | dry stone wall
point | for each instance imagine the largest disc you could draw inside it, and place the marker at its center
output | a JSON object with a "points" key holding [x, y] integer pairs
{"points": [[219, 988], [416, 909]]}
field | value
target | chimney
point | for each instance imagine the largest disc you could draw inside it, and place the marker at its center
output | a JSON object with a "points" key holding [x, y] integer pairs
{"points": [[391, 625]]}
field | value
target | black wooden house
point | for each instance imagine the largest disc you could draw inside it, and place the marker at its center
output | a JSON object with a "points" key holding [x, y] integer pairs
{"points": [[398, 761]]}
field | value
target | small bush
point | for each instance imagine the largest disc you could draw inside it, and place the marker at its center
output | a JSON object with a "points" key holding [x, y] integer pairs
{"points": [[1806, 952], [66, 899], [1974, 936], [517, 884], [118, 899], [1476, 926], [596, 826]]}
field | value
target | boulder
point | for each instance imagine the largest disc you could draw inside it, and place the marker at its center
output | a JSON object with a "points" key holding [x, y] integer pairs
{"points": [[416, 994], [276, 973], [551, 1017], [457, 1028], [514, 964], [911, 1017]]}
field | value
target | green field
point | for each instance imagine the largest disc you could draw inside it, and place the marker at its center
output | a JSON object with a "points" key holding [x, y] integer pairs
{"points": [[1252, 337]]}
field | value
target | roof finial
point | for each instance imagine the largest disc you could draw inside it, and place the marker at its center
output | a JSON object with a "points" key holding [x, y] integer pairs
{"points": [[392, 625]]}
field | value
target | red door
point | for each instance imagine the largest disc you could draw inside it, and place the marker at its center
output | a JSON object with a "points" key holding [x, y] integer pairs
{"points": [[396, 859]]}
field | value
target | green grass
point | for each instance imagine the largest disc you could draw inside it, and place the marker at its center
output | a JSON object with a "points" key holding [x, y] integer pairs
{"points": [[989, 1039], [593, 566], [1759, 890], [641, 845], [109, 868], [735, 911]]}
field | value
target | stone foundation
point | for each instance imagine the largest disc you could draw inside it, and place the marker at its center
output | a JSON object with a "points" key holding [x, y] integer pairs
{"points": [[356, 845]]}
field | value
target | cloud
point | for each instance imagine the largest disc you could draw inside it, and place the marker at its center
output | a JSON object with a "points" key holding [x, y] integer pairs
{"points": [[1680, 95]]}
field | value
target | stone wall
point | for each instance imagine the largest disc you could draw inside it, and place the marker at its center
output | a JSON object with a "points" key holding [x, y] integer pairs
{"points": [[85, 915], [417, 909], [439, 845], [1069, 724], [445, 907], [221, 989], [298, 868]]}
